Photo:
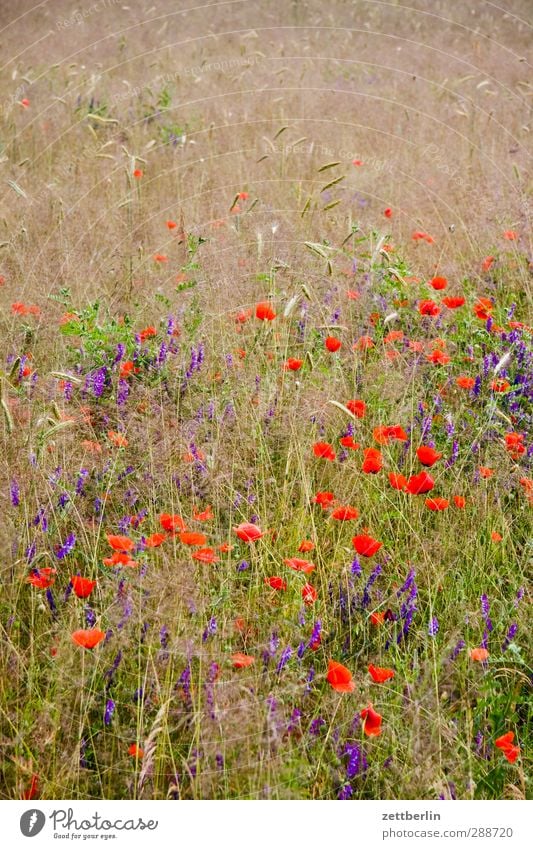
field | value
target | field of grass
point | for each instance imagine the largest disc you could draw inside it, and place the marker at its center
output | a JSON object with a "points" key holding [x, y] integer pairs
{"points": [[266, 388]]}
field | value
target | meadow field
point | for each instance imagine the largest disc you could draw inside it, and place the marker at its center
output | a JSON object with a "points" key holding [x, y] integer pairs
{"points": [[266, 399]]}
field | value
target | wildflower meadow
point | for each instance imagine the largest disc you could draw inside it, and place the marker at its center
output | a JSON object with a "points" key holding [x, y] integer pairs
{"points": [[266, 398]]}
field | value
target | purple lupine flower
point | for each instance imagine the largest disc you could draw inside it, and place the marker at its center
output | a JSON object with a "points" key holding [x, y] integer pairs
{"points": [[242, 566], [110, 673], [90, 617], [98, 381], [356, 567], [376, 571], [454, 455], [163, 636], [66, 548], [316, 725], [51, 602], [294, 721], [310, 677], [457, 649], [519, 596], [138, 695], [357, 762], [63, 499], [315, 634], [109, 710], [68, 389], [476, 389], [433, 626], [300, 651], [219, 759], [81, 479], [509, 637], [123, 391], [31, 551], [286, 655], [210, 629], [345, 792], [15, 493]]}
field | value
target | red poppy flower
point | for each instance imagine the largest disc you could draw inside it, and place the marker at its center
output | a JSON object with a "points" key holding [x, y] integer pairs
{"points": [[309, 594], [437, 503], [120, 543], [155, 540], [120, 559], [135, 751], [82, 587], [439, 358], [118, 439], [384, 433], [393, 336], [419, 484], [487, 263], [427, 455], [387, 212], [147, 333], [500, 385], [352, 295], [372, 462], [366, 545], [505, 743], [459, 501], [205, 555], [299, 565], [325, 499], [371, 722], [397, 481], [306, 545], [465, 382], [438, 283], [345, 514], [128, 368], [428, 307], [241, 661], [379, 674], [349, 442], [248, 532], [204, 516], [264, 311], [485, 472], [378, 617], [324, 450], [419, 235], [496, 537], [483, 308], [364, 343], [138, 173], [479, 654], [192, 538], [340, 678], [453, 303], [160, 258], [276, 583], [33, 789], [333, 344], [358, 408], [171, 225], [43, 578], [510, 235], [88, 638], [292, 364], [172, 523]]}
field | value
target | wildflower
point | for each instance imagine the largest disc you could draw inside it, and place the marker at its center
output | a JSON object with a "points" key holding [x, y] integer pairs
{"points": [[428, 307], [324, 450], [192, 538], [120, 543], [333, 344], [62, 550], [306, 545], [379, 674], [371, 721], [358, 408], [427, 455], [82, 587], [43, 578], [241, 661], [172, 523], [135, 751], [437, 503], [505, 744], [373, 461], [366, 545], [264, 311], [248, 532], [88, 638], [479, 654], [397, 481], [299, 565], [293, 364], [325, 499], [345, 514], [205, 555], [340, 677], [459, 501], [419, 484], [276, 583], [309, 594], [453, 303]]}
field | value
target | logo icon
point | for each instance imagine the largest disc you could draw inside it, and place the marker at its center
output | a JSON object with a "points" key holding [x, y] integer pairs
{"points": [[32, 822]]}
